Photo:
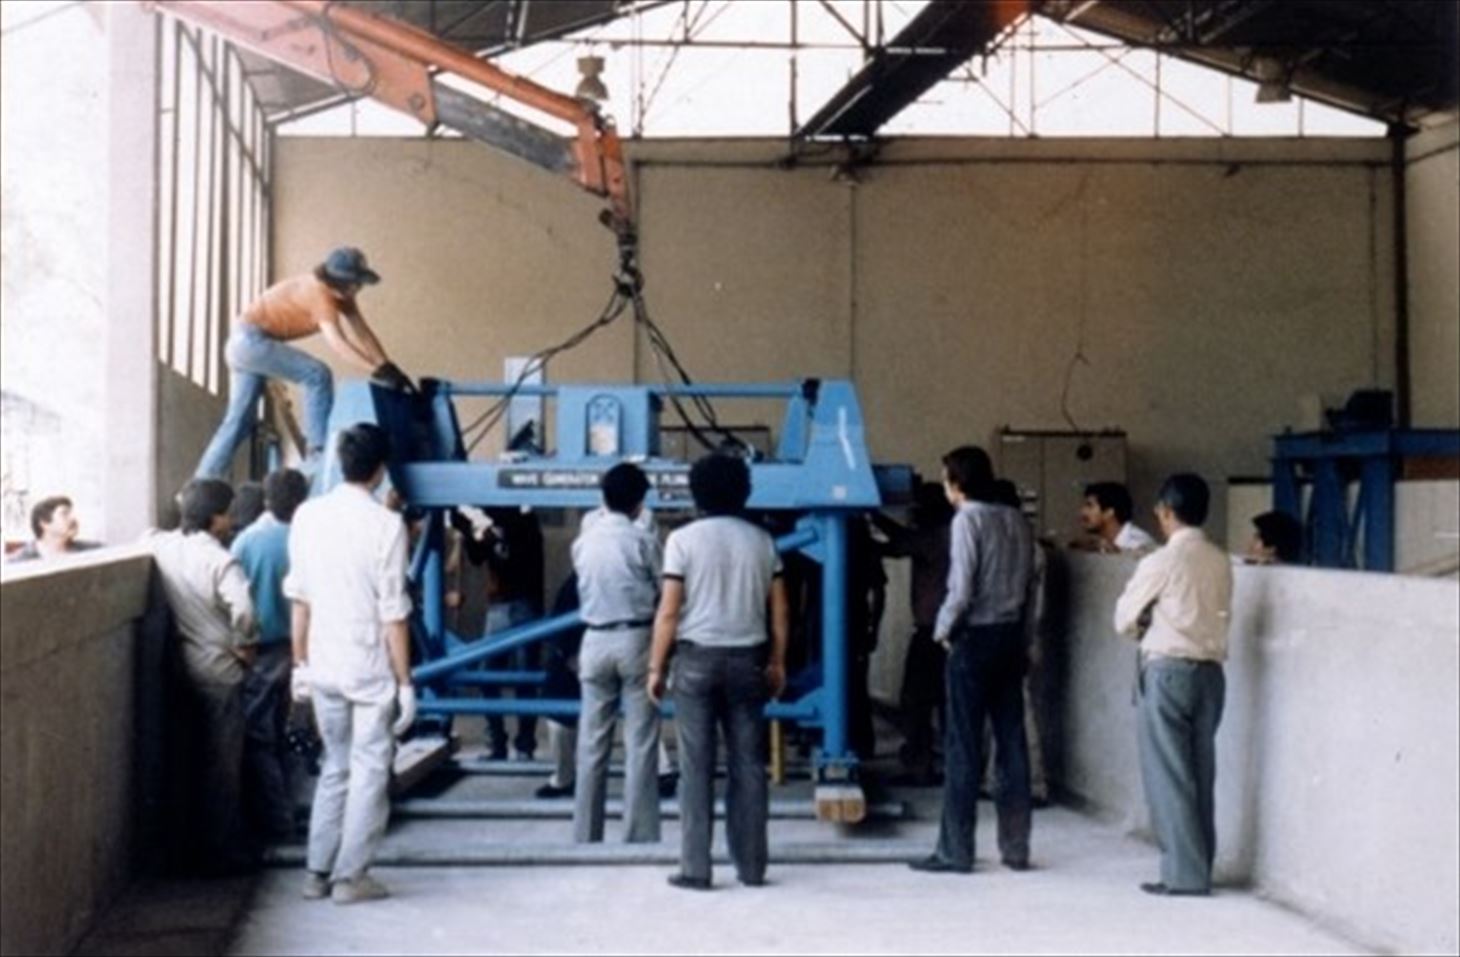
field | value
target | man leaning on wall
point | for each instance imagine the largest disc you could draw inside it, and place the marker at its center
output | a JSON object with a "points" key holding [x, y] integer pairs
{"points": [[1178, 605], [209, 596]]}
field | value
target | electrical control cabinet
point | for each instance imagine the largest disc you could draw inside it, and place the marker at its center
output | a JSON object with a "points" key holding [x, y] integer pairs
{"points": [[1051, 470]]}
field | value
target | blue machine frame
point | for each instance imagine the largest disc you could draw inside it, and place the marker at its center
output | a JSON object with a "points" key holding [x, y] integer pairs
{"points": [[1333, 459], [820, 472]]}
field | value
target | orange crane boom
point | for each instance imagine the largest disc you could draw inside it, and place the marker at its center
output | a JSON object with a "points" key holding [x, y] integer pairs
{"points": [[367, 55]]}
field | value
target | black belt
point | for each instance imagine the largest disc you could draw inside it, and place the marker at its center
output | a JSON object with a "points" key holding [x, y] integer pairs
{"points": [[623, 625]]}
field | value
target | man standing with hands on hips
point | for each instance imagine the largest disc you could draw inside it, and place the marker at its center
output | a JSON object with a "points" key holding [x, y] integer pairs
{"points": [[1178, 605], [347, 581]]}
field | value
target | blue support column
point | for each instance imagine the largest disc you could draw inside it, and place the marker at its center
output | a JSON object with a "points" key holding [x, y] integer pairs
{"points": [[836, 756], [1330, 515], [1376, 494]]}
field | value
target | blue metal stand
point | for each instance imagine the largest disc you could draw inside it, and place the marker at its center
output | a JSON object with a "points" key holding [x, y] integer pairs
{"points": [[1335, 459], [821, 473]]}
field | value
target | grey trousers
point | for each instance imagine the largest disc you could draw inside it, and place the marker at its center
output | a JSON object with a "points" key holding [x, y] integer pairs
{"points": [[724, 687], [352, 801], [614, 665], [563, 752], [1180, 709]]}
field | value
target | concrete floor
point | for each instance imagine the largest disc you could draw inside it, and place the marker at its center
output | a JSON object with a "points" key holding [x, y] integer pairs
{"points": [[1080, 898]]}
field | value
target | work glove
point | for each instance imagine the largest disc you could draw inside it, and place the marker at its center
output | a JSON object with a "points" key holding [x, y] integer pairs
{"points": [[299, 689], [389, 375], [405, 702]]}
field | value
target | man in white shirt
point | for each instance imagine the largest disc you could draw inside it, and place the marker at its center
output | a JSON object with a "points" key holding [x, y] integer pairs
{"points": [[347, 570], [1105, 518], [209, 597], [1178, 606], [721, 576], [618, 564]]}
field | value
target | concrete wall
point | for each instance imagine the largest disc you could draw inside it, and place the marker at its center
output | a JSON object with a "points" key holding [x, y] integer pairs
{"points": [[1338, 753], [1209, 283], [66, 745], [1432, 193]]}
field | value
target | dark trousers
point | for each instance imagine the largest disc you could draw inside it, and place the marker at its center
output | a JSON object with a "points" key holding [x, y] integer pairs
{"points": [[922, 697], [218, 770], [985, 679], [1181, 707], [269, 803], [861, 732], [724, 688]]}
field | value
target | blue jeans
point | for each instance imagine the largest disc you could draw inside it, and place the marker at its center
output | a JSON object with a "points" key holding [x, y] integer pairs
{"points": [[253, 357], [502, 616], [724, 689]]}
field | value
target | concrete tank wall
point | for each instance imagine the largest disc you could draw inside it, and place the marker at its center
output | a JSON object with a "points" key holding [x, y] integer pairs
{"points": [[67, 713], [1338, 753]]}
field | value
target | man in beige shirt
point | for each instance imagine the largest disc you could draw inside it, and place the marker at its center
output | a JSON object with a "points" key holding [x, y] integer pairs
{"points": [[1178, 606], [321, 301], [211, 606]]}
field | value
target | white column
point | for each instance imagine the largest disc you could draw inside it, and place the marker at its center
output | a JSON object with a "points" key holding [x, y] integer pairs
{"points": [[129, 456]]}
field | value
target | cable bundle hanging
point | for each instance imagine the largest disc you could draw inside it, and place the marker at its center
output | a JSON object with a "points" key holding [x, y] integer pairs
{"points": [[483, 423], [627, 291]]}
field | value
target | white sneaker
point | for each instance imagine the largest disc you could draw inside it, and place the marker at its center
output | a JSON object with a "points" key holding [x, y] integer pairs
{"points": [[362, 888], [316, 886]]}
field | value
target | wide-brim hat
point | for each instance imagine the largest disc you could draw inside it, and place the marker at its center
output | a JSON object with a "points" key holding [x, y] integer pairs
{"points": [[347, 264]]}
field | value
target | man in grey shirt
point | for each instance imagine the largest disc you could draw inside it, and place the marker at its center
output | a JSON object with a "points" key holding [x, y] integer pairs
{"points": [[721, 573], [617, 563], [991, 551]]}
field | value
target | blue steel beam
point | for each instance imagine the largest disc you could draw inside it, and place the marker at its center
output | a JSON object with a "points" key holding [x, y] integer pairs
{"points": [[568, 707], [487, 679]]}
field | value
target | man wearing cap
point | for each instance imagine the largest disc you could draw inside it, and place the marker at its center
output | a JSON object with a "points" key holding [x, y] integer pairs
{"points": [[321, 301]]}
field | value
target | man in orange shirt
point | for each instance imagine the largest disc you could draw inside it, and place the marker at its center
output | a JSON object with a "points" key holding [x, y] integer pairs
{"points": [[322, 301]]}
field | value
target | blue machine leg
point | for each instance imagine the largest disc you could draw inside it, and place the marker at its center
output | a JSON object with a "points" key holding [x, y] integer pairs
{"points": [[838, 796], [834, 640], [433, 612]]}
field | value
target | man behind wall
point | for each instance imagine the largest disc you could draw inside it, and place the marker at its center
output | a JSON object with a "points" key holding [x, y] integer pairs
{"points": [[1277, 539], [56, 531], [721, 573], [992, 549], [347, 570], [618, 565], [1185, 591], [210, 602], [1105, 518], [262, 549]]}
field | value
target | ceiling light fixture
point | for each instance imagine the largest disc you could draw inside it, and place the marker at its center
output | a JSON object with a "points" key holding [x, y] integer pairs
{"points": [[591, 87]]}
